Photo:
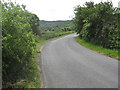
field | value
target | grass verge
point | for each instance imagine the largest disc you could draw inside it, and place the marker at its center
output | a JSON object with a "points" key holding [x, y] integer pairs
{"points": [[99, 49]]}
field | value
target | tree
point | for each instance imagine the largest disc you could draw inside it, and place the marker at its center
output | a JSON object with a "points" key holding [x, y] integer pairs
{"points": [[97, 24]]}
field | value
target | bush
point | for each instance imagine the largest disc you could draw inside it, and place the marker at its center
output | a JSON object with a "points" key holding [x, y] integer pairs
{"points": [[98, 23], [19, 43]]}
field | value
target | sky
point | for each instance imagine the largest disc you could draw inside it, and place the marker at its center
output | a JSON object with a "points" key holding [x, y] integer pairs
{"points": [[52, 10]]}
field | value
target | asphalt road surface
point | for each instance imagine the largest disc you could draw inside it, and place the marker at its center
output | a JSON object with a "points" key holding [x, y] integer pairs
{"points": [[66, 64]]}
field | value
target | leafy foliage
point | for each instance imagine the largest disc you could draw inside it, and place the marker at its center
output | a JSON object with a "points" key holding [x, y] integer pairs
{"points": [[19, 43], [97, 23]]}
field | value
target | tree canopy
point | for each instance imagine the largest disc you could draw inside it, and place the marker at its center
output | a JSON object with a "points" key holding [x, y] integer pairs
{"points": [[98, 23]]}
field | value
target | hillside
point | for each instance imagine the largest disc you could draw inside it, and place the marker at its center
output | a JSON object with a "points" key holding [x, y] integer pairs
{"points": [[55, 24]]}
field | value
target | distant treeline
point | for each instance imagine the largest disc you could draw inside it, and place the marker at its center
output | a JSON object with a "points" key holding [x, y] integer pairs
{"points": [[56, 25], [98, 24]]}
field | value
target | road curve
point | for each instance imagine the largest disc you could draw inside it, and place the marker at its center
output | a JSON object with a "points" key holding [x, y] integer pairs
{"points": [[66, 64]]}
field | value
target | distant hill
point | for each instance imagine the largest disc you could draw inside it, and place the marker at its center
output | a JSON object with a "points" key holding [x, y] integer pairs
{"points": [[55, 24]]}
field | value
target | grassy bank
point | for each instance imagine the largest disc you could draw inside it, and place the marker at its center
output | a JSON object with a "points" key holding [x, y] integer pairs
{"points": [[99, 49]]}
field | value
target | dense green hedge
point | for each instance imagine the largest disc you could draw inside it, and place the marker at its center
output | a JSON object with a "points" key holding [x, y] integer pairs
{"points": [[98, 23], [18, 43]]}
